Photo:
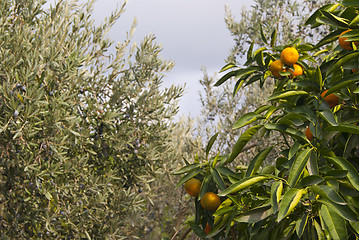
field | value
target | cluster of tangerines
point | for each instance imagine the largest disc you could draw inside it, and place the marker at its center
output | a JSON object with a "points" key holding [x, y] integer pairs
{"points": [[209, 201], [287, 62]]}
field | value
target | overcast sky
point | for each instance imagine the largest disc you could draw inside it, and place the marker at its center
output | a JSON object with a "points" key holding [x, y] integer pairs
{"points": [[192, 33]]}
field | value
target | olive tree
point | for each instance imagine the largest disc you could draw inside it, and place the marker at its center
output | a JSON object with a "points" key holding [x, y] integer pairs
{"points": [[82, 130]]}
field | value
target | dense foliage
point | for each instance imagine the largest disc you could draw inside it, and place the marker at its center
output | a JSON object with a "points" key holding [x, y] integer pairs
{"points": [[311, 189], [82, 131]]}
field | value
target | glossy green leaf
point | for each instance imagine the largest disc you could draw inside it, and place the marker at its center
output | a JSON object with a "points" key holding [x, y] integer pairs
{"points": [[298, 166], [343, 210], [227, 66], [207, 180], [210, 143], [334, 224], [242, 141], [264, 39], [254, 215], [246, 119], [301, 224], [311, 180], [273, 37], [188, 176], [334, 21], [287, 130], [276, 193], [244, 183], [346, 58], [293, 150], [257, 161], [286, 94], [343, 127], [327, 192], [328, 116], [226, 77], [289, 201], [187, 168], [353, 175], [218, 179]]}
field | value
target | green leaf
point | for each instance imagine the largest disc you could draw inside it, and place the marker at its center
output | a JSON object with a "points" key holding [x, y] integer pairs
{"points": [[218, 179], [227, 172], [301, 224], [311, 180], [352, 176], [242, 141], [328, 116], [327, 192], [333, 20], [273, 38], [243, 183], [350, 3], [344, 127], [287, 130], [342, 210], [227, 66], [199, 231], [187, 168], [293, 150], [319, 77], [298, 166], [276, 193], [205, 184], [210, 143], [257, 161], [226, 77], [249, 53], [255, 215], [289, 201], [286, 94], [334, 224], [344, 82], [246, 119], [346, 58], [188, 176], [264, 39]]}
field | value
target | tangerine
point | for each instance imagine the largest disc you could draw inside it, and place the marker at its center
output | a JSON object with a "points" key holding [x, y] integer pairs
{"points": [[210, 201], [331, 99], [276, 67], [344, 43], [193, 186], [308, 134], [298, 70], [289, 56]]}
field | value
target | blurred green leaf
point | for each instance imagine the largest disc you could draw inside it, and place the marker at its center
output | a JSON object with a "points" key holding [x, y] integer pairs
{"points": [[289, 201]]}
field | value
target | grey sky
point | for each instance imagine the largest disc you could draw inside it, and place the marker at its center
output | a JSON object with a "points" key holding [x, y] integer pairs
{"points": [[192, 33]]}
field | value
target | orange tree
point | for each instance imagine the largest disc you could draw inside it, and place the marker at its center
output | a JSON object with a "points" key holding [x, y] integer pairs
{"points": [[311, 189]]}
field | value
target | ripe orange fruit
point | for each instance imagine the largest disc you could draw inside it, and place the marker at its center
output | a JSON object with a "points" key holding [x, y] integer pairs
{"points": [[298, 70], [331, 99], [193, 186], [346, 44], [276, 67], [309, 134], [208, 228], [210, 201], [289, 55]]}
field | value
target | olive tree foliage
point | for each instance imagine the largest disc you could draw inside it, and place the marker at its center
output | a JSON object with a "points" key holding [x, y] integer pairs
{"points": [[82, 131], [223, 105]]}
